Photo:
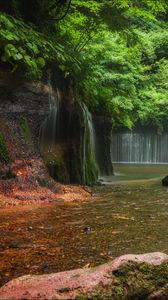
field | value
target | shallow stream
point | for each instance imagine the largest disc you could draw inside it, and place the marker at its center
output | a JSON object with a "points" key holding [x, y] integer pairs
{"points": [[127, 216]]}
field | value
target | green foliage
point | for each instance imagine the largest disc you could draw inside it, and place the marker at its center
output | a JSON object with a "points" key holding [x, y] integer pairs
{"points": [[23, 46], [114, 50], [4, 152], [128, 80], [20, 45]]}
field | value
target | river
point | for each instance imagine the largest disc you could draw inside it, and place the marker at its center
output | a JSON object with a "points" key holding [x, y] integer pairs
{"points": [[127, 215]]}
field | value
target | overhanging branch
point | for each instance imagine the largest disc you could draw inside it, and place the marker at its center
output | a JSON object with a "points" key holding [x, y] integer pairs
{"points": [[66, 12]]}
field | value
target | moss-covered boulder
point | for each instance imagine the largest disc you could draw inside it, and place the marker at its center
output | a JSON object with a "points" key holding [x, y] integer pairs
{"points": [[128, 277]]}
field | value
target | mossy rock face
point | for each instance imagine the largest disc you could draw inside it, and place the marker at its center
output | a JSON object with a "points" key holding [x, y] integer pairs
{"points": [[133, 282], [82, 165], [58, 171], [103, 129], [4, 152], [91, 171], [55, 162]]}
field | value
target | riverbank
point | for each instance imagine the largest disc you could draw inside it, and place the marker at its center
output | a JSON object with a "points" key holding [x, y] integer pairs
{"points": [[30, 184], [59, 193]]}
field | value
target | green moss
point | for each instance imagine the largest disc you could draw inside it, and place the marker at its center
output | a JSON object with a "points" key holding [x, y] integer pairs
{"points": [[25, 130], [4, 152], [132, 282], [91, 171]]}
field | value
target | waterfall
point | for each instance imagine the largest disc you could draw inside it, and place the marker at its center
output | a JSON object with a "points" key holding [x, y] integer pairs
{"points": [[90, 170], [139, 148], [49, 130]]}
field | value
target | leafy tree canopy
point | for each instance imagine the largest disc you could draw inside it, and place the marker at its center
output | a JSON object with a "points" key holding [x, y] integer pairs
{"points": [[115, 51]]}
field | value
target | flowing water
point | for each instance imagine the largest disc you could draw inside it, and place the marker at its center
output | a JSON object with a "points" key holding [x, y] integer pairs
{"points": [[50, 128], [141, 147], [128, 216], [88, 153], [49, 131]]}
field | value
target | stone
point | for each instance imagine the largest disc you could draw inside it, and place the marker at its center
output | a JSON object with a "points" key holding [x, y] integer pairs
{"points": [[77, 283], [165, 181]]}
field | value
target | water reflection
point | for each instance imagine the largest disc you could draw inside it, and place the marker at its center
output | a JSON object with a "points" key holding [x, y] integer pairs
{"points": [[124, 171]]}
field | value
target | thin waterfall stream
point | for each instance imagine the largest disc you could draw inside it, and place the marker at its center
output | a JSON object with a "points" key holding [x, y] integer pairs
{"points": [[50, 127], [89, 146]]}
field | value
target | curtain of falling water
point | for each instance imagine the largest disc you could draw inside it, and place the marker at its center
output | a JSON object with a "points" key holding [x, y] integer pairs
{"points": [[49, 131], [139, 148], [88, 142]]}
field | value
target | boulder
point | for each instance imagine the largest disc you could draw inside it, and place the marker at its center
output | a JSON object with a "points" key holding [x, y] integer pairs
{"points": [[165, 181], [124, 277]]}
